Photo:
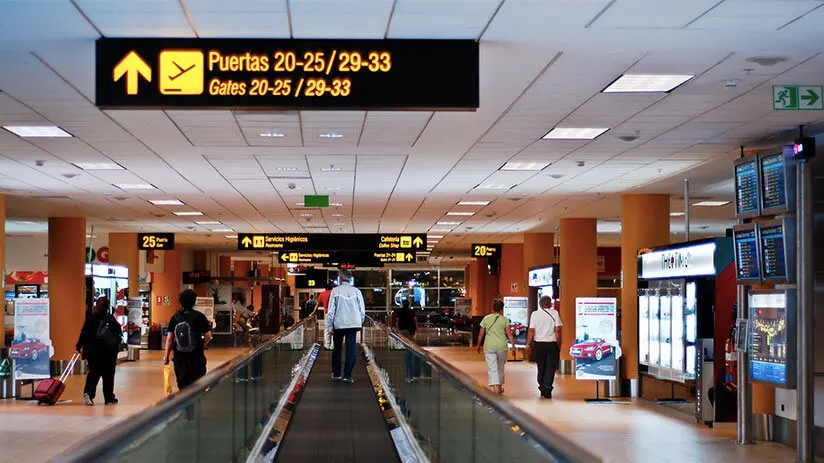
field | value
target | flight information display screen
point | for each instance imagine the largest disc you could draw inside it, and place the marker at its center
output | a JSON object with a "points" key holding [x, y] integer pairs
{"points": [[746, 254], [770, 347], [746, 188], [773, 252], [774, 182]]}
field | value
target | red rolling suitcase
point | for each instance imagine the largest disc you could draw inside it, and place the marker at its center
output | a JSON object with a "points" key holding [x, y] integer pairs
{"points": [[49, 390]]}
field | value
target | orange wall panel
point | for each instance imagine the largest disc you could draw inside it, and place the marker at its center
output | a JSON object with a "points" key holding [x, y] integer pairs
{"points": [[168, 284], [512, 280], [67, 258]]}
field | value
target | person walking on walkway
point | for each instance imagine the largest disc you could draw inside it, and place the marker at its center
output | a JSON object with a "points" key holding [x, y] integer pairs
{"points": [[495, 329], [345, 318], [189, 333], [543, 338], [99, 343]]}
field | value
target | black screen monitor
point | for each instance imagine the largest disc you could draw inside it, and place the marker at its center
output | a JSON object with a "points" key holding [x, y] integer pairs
{"points": [[777, 249], [747, 259], [778, 183], [747, 187]]}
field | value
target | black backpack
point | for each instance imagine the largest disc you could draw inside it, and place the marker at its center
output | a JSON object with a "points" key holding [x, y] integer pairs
{"points": [[106, 335], [186, 337]]}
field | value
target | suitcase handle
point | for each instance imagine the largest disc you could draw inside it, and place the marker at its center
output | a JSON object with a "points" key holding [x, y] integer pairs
{"points": [[69, 367]]}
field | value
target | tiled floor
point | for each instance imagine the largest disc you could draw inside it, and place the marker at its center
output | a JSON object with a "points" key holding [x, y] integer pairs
{"points": [[32, 433], [639, 431]]}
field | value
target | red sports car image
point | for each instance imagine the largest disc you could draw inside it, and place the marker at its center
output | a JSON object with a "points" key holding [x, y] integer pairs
{"points": [[518, 328], [29, 349], [595, 348]]}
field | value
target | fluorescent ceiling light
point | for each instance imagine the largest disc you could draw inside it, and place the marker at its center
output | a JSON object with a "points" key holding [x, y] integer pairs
{"points": [[300, 204], [330, 135], [166, 202], [512, 165], [474, 203], [333, 188], [638, 83], [307, 214], [574, 133], [337, 215], [231, 237], [331, 169], [336, 204], [135, 186], [286, 169], [223, 230], [208, 222], [495, 186], [185, 213], [448, 223], [466, 214], [434, 236], [272, 135], [442, 230], [676, 214], [98, 165], [338, 224], [37, 131], [711, 203]]}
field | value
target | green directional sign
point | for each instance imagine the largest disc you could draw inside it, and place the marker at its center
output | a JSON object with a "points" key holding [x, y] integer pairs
{"points": [[795, 97]]}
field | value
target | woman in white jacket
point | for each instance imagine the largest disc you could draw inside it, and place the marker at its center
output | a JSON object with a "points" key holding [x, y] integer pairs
{"points": [[345, 318]]}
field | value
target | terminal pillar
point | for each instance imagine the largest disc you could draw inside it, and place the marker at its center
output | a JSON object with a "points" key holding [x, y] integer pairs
{"points": [[67, 283], [484, 287], [644, 223], [579, 273], [3, 261], [539, 251], [166, 288], [512, 280], [123, 251], [224, 266], [200, 260]]}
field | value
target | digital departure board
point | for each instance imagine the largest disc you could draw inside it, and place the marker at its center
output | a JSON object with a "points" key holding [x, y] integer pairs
{"points": [[777, 252], [287, 74], [746, 187], [777, 185], [772, 345], [747, 261]]}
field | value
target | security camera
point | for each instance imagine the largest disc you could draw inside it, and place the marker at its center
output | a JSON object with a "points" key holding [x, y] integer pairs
{"points": [[451, 257], [291, 186]]}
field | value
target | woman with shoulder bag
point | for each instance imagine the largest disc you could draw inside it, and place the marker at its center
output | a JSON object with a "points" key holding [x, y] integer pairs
{"points": [[495, 329], [99, 343]]}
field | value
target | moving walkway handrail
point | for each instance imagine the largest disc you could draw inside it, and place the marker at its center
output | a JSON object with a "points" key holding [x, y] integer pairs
{"points": [[554, 442], [125, 431]]}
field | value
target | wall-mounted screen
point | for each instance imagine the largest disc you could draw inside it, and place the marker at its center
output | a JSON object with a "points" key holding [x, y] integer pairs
{"points": [[747, 262], [746, 187], [541, 276], [777, 184], [778, 250], [772, 345]]}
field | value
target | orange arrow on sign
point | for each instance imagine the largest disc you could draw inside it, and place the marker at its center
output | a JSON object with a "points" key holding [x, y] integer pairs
{"points": [[132, 66]]}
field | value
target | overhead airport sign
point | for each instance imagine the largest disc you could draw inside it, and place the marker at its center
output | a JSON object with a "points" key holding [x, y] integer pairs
{"points": [[155, 241], [489, 250], [359, 258], [328, 241], [792, 97], [287, 74]]}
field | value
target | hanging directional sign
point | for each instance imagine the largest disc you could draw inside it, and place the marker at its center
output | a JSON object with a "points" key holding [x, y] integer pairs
{"points": [[328, 241], [794, 97], [287, 73], [155, 241], [315, 257], [489, 250], [351, 259]]}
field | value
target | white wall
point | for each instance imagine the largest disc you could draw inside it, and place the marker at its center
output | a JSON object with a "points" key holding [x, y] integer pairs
{"points": [[787, 398], [27, 253]]}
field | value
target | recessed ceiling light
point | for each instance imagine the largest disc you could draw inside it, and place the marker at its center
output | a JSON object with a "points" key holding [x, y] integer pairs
{"points": [[300, 204], [135, 186], [166, 202], [474, 203], [534, 166], [448, 223], [556, 176], [37, 131], [467, 214], [286, 169], [338, 224], [330, 135], [336, 204], [208, 222], [441, 230], [98, 165], [333, 188], [307, 214], [186, 213], [495, 186], [574, 133], [641, 83], [434, 236], [331, 169], [711, 203], [223, 230], [231, 237], [272, 135], [676, 214], [337, 215]]}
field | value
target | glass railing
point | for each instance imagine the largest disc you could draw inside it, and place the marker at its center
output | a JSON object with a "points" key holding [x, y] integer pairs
{"points": [[219, 418], [451, 417]]}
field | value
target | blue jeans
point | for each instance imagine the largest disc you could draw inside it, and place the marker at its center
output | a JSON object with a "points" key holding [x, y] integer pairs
{"points": [[349, 334]]}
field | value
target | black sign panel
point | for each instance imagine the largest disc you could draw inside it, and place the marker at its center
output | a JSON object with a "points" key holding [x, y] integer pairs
{"points": [[359, 258], [287, 74], [312, 279], [155, 241], [197, 276], [331, 242], [269, 314], [489, 250]]}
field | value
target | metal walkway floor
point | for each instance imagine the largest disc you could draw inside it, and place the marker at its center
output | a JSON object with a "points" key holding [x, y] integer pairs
{"points": [[337, 422]]}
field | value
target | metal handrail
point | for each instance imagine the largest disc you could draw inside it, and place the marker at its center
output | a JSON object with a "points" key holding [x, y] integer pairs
{"points": [[550, 439], [104, 443]]}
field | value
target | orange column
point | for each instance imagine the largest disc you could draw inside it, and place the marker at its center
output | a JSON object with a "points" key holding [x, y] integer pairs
{"points": [[3, 263], [484, 287], [224, 266], [539, 251], [67, 257], [200, 260], [512, 281], [644, 223], [123, 251], [166, 288], [242, 268], [579, 271]]}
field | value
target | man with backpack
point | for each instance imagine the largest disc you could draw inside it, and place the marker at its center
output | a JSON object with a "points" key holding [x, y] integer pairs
{"points": [[189, 333], [99, 343]]}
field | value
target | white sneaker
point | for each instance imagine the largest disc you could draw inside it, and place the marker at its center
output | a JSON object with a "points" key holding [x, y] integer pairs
{"points": [[88, 400]]}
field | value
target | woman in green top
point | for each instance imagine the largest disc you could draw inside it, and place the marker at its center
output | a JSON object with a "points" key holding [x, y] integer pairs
{"points": [[495, 329]]}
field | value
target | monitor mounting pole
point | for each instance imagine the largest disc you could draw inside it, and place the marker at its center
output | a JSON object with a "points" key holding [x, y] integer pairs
{"points": [[805, 380], [744, 431]]}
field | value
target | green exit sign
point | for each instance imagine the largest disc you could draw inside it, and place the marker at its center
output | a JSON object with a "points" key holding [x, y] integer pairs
{"points": [[316, 201]]}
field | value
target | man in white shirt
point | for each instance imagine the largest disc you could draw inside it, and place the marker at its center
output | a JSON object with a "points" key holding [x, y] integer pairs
{"points": [[543, 338], [345, 318]]}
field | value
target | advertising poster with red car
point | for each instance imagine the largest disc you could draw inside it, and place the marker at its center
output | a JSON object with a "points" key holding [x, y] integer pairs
{"points": [[516, 309], [134, 327], [595, 347], [31, 347]]}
